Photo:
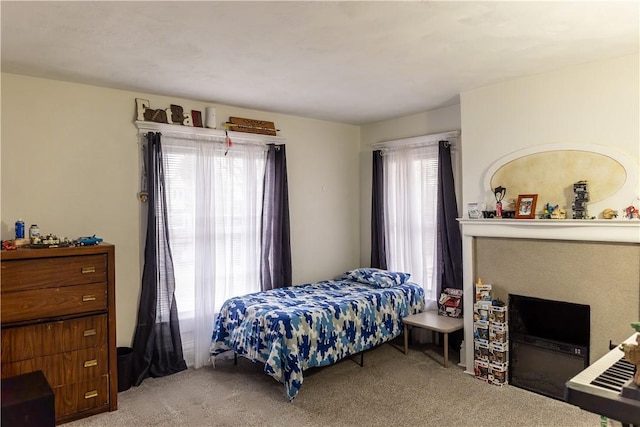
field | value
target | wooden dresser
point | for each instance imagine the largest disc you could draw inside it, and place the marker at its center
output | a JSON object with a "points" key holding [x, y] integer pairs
{"points": [[59, 316]]}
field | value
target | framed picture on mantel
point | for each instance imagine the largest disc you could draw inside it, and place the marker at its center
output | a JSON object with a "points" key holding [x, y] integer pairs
{"points": [[526, 206]]}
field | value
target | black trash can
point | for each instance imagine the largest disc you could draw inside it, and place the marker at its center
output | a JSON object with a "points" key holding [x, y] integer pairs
{"points": [[125, 363]]}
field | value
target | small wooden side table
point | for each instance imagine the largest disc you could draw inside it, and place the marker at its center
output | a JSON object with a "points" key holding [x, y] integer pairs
{"points": [[435, 323]]}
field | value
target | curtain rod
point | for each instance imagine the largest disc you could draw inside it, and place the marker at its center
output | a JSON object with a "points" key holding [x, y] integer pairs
{"points": [[433, 138]]}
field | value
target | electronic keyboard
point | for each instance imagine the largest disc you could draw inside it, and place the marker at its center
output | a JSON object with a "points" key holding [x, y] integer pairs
{"points": [[606, 388]]}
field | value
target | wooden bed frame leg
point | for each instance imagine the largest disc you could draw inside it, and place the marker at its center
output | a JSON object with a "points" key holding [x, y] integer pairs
{"points": [[362, 359], [235, 358]]}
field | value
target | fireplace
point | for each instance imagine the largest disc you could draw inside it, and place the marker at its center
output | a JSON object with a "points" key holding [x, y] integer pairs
{"points": [[594, 263], [548, 343]]}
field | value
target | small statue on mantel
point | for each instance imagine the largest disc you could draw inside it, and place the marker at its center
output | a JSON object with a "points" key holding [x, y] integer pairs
{"points": [[632, 352]]}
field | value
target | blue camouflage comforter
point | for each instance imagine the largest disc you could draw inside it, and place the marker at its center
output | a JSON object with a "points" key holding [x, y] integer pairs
{"points": [[299, 327]]}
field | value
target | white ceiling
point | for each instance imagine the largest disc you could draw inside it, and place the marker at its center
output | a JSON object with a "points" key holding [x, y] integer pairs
{"points": [[348, 62]]}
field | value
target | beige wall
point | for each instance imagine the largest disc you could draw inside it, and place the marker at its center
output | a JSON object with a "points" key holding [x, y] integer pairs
{"points": [[596, 103], [70, 163]]}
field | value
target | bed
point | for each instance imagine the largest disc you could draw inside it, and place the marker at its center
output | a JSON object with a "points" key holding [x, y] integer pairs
{"points": [[299, 327]]}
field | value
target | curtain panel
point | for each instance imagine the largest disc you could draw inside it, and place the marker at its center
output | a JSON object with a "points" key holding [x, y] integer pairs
{"points": [[275, 260], [378, 246], [450, 240], [157, 347]]}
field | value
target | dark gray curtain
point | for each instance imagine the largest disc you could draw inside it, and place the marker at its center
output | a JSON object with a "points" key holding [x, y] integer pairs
{"points": [[275, 245], [450, 240], [378, 245], [157, 348]]}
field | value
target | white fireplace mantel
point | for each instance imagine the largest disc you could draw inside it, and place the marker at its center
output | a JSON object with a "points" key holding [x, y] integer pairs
{"points": [[597, 230]]}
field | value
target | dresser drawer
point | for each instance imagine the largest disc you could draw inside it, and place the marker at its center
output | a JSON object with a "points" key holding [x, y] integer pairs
{"points": [[64, 368], [29, 342], [52, 302], [78, 397], [53, 272]]}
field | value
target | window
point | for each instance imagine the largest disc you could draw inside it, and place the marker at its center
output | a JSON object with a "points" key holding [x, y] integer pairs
{"points": [[411, 206], [214, 204]]}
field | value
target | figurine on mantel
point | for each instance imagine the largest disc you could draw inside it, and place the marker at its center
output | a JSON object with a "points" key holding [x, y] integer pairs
{"points": [[632, 352], [553, 212], [631, 212]]}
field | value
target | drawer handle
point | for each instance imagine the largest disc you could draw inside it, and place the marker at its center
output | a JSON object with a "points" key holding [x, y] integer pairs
{"points": [[91, 394], [86, 270], [89, 332], [90, 363], [86, 298]]}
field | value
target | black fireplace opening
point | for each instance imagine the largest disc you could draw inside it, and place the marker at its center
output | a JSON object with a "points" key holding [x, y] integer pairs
{"points": [[548, 343]]}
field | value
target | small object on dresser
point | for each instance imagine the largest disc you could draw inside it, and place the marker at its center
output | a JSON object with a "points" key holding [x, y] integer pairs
{"points": [[21, 242], [49, 241], [8, 245], [19, 229], [34, 231], [88, 241]]}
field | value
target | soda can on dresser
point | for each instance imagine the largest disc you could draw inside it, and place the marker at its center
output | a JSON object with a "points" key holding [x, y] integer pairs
{"points": [[19, 229]]}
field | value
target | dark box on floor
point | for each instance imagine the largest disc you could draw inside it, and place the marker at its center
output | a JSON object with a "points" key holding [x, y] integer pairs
{"points": [[28, 400]]}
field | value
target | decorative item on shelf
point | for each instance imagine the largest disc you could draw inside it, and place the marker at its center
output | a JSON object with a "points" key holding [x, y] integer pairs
{"points": [[553, 212], [474, 211], [177, 114], [499, 193], [609, 214], [141, 107], [173, 115], [210, 119], [505, 214], [196, 116], [239, 124], [580, 199], [631, 212], [526, 206], [158, 116]]}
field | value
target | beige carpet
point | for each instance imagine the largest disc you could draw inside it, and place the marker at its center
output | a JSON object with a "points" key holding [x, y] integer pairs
{"points": [[391, 389]]}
